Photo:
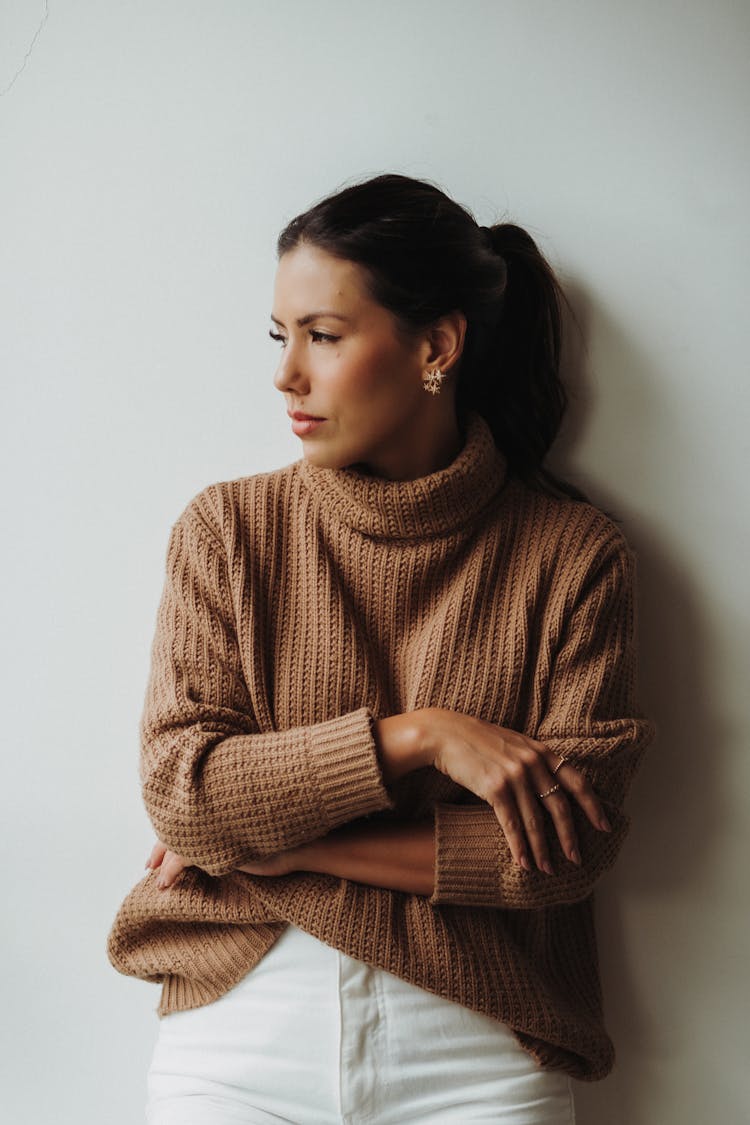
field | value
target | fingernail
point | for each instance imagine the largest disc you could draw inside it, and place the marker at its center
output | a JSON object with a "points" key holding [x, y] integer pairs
{"points": [[575, 857], [605, 825], [148, 863], [525, 863], [547, 868], [161, 884]]}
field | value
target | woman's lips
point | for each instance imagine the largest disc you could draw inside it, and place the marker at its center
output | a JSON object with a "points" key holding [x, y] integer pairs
{"points": [[305, 425]]}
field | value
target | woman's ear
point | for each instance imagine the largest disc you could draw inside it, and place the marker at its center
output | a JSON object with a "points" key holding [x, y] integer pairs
{"points": [[445, 340]]}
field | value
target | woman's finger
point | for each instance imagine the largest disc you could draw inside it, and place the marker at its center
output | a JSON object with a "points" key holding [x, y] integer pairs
{"points": [[533, 818], [158, 852], [172, 866], [580, 789], [510, 820], [539, 793], [557, 806]]}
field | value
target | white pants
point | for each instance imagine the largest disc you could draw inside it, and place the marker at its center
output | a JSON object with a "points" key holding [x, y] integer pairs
{"points": [[312, 1036]]}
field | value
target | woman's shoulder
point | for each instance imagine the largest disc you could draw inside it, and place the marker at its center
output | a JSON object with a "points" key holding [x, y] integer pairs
{"points": [[572, 531], [226, 505]]}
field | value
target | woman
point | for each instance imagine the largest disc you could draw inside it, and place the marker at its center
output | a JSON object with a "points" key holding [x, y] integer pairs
{"points": [[390, 721]]}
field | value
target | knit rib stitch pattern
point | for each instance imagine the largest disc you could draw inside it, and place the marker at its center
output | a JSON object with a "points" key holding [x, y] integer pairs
{"points": [[301, 604]]}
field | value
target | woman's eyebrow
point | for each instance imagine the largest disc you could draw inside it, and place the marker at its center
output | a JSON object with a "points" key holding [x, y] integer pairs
{"points": [[303, 320]]}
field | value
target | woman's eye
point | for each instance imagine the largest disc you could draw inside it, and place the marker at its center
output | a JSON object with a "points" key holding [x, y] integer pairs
{"points": [[317, 337]]}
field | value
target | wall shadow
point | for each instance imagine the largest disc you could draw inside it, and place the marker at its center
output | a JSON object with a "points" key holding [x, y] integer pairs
{"points": [[673, 789]]}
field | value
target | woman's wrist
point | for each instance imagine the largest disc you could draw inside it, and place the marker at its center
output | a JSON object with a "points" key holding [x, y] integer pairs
{"points": [[402, 742]]}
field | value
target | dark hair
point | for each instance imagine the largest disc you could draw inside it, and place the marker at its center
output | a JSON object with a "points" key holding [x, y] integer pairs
{"points": [[425, 256]]}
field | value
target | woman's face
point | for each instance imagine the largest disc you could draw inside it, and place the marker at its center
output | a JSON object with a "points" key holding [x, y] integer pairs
{"points": [[341, 360]]}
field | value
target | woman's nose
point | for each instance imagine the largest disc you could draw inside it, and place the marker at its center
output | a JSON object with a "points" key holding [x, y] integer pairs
{"points": [[288, 373]]}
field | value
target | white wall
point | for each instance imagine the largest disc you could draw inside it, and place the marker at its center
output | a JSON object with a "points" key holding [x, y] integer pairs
{"points": [[150, 153]]}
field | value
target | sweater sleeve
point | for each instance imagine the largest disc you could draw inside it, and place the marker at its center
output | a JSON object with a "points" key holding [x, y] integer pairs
{"points": [[217, 790], [591, 718]]}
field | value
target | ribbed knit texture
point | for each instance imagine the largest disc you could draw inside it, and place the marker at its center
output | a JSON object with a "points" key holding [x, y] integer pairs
{"points": [[301, 604]]}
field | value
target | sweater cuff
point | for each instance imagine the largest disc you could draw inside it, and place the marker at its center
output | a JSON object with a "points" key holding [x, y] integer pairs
{"points": [[345, 764], [467, 858]]}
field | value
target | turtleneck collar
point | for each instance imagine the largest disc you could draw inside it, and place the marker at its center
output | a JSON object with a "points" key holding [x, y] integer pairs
{"points": [[437, 504]]}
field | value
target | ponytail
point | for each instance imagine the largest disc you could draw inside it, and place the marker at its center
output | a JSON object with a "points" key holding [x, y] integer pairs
{"points": [[513, 378]]}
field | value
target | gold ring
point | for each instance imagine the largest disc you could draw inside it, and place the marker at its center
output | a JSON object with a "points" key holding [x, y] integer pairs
{"points": [[554, 789], [559, 764]]}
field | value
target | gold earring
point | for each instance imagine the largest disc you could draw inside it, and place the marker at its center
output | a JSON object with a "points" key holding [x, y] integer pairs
{"points": [[432, 381]]}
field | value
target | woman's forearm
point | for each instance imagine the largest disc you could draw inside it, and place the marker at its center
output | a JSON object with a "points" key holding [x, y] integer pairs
{"points": [[397, 856]]}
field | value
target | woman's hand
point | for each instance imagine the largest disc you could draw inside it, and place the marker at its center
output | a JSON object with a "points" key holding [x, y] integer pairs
{"points": [[169, 863], [511, 772], [172, 865]]}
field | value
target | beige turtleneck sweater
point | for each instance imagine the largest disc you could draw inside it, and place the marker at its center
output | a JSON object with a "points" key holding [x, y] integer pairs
{"points": [[299, 605]]}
